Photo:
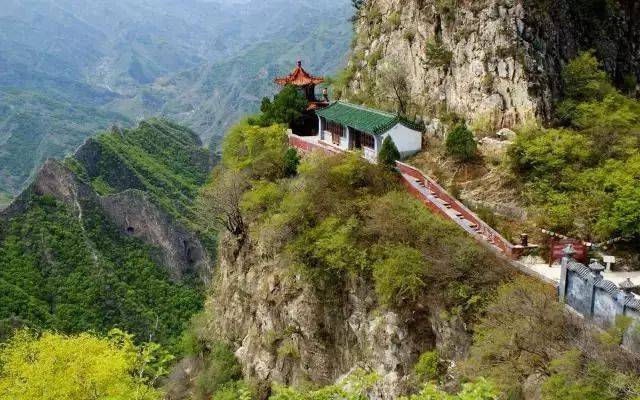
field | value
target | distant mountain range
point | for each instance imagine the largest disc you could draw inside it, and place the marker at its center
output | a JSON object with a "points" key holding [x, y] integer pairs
{"points": [[69, 67]]}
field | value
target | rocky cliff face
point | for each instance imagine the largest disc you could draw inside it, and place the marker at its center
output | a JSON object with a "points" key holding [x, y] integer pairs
{"points": [[290, 332], [136, 215], [132, 211], [495, 62]]}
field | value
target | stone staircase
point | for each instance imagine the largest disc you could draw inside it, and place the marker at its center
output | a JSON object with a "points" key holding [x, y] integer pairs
{"points": [[451, 211]]}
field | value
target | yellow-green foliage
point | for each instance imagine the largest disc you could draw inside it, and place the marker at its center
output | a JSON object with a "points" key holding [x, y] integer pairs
{"points": [[429, 367], [82, 367], [479, 390], [354, 387], [525, 331], [260, 150], [394, 20], [342, 216], [584, 178], [374, 58]]}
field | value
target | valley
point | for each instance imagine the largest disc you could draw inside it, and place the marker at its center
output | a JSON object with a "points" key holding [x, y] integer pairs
{"points": [[201, 63]]}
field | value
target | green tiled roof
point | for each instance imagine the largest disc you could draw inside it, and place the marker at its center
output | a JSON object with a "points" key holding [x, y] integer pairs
{"points": [[361, 118]]}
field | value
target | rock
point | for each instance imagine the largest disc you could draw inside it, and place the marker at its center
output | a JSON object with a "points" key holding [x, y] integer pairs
{"points": [[523, 48], [506, 134], [333, 335], [136, 215], [532, 387]]}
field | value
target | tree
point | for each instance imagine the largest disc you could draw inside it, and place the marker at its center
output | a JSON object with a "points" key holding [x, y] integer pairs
{"points": [[389, 153], [522, 330], [392, 85], [287, 107], [461, 143], [585, 80], [291, 162], [222, 371], [219, 202], [399, 274], [257, 151], [82, 367]]}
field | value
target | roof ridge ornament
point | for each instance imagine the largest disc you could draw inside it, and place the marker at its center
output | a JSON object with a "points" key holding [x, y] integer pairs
{"points": [[627, 286], [596, 267]]}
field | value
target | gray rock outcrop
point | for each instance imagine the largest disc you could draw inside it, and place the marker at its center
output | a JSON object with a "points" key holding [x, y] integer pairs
{"points": [[288, 331], [495, 62]]}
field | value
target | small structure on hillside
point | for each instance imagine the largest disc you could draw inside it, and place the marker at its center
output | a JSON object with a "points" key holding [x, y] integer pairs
{"points": [[306, 84], [353, 127]]}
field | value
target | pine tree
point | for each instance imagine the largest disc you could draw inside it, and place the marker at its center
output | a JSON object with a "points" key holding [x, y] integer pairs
{"points": [[389, 153], [461, 144]]}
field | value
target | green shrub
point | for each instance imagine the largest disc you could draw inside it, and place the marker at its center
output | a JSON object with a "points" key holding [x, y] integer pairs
{"points": [[374, 58], [238, 390], [479, 390], [409, 36], [461, 143], [394, 20], [437, 55], [429, 367], [389, 153], [291, 162], [399, 274], [221, 368], [288, 349]]}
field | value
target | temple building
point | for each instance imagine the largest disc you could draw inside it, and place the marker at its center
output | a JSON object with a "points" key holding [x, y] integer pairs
{"points": [[353, 127], [306, 83]]}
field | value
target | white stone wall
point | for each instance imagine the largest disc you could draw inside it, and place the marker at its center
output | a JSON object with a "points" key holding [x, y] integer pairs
{"points": [[408, 141]]}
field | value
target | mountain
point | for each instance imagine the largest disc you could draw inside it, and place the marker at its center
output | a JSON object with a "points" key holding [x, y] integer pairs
{"points": [[495, 63], [103, 239], [69, 67]]}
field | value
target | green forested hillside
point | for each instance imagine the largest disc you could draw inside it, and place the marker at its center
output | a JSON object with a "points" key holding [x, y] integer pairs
{"points": [[159, 157], [74, 272]]}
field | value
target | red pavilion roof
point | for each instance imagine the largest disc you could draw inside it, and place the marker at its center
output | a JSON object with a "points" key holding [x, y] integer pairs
{"points": [[299, 77]]}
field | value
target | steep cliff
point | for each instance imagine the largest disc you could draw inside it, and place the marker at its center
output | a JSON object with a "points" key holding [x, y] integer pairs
{"points": [[495, 62], [337, 270]]}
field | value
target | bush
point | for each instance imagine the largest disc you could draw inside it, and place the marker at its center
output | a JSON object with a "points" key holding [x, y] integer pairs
{"points": [[291, 162], [461, 143], [479, 390], [523, 329], [437, 55], [399, 274], [429, 367], [221, 368], [238, 390], [389, 153], [53, 366], [259, 150]]}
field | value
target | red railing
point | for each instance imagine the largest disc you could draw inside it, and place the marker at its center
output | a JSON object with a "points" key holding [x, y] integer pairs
{"points": [[309, 146], [437, 190]]}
